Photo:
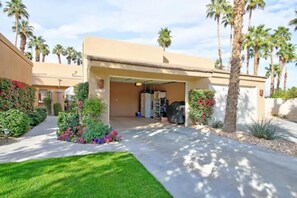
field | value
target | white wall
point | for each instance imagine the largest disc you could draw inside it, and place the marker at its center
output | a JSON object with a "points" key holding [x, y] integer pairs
{"points": [[281, 107], [247, 103]]}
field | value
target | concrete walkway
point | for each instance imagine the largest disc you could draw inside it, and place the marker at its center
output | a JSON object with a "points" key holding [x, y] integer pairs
{"points": [[195, 164], [41, 142]]}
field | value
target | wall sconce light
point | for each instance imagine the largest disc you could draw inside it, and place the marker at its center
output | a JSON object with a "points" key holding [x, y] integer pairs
{"points": [[100, 83], [261, 92], [138, 84]]}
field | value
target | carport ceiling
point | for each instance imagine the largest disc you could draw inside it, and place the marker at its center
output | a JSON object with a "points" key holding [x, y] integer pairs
{"points": [[143, 81]]}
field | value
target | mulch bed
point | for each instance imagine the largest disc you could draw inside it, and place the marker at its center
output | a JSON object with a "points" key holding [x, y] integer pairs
{"points": [[279, 145]]}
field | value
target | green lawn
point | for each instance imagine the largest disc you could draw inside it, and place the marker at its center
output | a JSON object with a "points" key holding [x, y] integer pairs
{"points": [[96, 175]]}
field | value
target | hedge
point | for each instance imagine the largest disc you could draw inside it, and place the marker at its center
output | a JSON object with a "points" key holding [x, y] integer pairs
{"points": [[57, 108], [16, 95], [201, 104]]}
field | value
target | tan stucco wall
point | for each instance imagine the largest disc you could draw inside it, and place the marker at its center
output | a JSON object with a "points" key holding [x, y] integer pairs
{"points": [[13, 64], [94, 46], [124, 99], [48, 74]]}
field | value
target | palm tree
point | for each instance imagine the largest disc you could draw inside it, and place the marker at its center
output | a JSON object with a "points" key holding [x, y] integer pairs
{"points": [[228, 19], [44, 51], [257, 38], [70, 54], [233, 91], [251, 5], [78, 58], [293, 22], [164, 39], [16, 9], [36, 42], [28, 55], [275, 70], [286, 55], [25, 31], [58, 50], [271, 45], [214, 10]]}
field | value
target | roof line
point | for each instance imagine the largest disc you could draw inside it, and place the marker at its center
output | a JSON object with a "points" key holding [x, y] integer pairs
{"points": [[147, 64]]}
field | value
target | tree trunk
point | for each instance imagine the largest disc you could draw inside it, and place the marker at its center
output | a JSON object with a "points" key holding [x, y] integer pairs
{"points": [[247, 60], [164, 48], [233, 91], [23, 43], [285, 78], [250, 18], [16, 30], [43, 58], [219, 43], [279, 77], [272, 72], [256, 60], [69, 60], [231, 35], [37, 54], [59, 58]]}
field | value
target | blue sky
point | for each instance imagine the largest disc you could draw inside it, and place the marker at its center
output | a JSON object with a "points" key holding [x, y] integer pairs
{"points": [[67, 22]]}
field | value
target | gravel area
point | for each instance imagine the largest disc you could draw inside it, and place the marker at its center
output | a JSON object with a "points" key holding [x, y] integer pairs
{"points": [[279, 145]]}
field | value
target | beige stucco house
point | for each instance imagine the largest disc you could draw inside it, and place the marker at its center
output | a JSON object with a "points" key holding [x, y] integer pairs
{"points": [[113, 68]]}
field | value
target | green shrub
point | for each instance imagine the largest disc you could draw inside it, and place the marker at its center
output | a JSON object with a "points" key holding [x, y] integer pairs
{"points": [[16, 121], [93, 108], [37, 116], [201, 104], [217, 124], [263, 129], [279, 93], [81, 91], [57, 108], [292, 93], [95, 130], [48, 104], [67, 120], [16, 95]]}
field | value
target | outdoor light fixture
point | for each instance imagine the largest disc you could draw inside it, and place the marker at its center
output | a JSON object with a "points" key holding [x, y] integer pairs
{"points": [[6, 133], [138, 84], [261, 92]]}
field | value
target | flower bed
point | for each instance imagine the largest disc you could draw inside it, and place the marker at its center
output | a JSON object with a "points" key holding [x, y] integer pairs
{"points": [[201, 104], [16, 95]]}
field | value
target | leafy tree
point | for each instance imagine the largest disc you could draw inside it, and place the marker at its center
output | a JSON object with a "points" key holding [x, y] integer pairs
{"points": [[164, 39], [293, 22], [16, 9], [58, 50], [257, 38], [28, 55], [233, 91], [251, 5], [70, 54], [215, 10], [36, 42], [45, 51], [286, 54], [25, 31], [275, 70]]}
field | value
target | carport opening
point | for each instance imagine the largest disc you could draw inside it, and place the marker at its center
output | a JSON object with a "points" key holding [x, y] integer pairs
{"points": [[139, 102]]}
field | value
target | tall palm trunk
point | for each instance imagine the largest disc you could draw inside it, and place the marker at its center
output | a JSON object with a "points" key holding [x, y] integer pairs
{"points": [[248, 49], [37, 54], [256, 60], [164, 48], [16, 29], [43, 58], [23, 43], [59, 58], [231, 35], [219, 43], [233, 91], [280, 72], [285, 78], [272, 72], [69, 60]]}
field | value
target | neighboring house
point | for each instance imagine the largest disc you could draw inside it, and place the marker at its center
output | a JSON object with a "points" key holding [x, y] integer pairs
{"points": [[113, 68], [54, 78], [13, 64]]}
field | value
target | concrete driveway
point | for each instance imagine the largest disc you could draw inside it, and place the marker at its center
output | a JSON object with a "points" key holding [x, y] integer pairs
{"points": [[195, 164]]}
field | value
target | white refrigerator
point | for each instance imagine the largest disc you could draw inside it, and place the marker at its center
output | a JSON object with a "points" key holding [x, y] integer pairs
{"points": [[145, 105]]}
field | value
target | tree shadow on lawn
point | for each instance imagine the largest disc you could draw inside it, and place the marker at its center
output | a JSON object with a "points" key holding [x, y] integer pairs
{"points": [[96, 175], [193, 163]]}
